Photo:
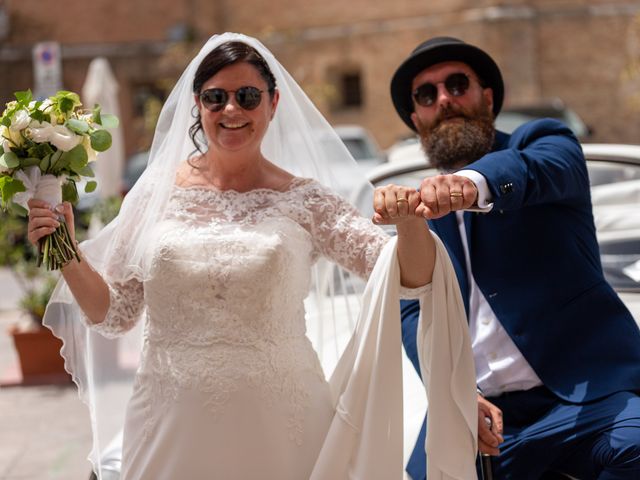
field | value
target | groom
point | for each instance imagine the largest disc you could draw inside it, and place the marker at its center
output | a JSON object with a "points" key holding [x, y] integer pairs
{"points": [[557, 354]]}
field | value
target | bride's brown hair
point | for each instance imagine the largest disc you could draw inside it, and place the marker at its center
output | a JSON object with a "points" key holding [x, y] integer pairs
{"points": [[226, 54]]}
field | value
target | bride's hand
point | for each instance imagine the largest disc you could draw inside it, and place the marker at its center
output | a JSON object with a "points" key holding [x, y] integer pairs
{"points": [[43, 221], [394, 204]]}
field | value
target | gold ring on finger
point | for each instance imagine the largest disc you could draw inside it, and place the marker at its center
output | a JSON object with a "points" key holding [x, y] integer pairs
{"points": [[400, 200], [455, 194]]}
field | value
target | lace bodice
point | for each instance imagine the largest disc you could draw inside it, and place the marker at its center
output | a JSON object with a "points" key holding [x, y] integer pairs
{"points": [[226, 254], [226, 280]]}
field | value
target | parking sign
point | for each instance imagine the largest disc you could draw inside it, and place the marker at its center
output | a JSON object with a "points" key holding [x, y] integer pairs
{"points": [[47, 69]]}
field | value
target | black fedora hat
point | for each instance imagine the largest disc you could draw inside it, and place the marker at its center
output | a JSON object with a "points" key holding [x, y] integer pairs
{"points": [[438, 50]]}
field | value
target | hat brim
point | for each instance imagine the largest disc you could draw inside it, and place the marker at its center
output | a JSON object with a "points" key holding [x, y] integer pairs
{"points": [[481, 63]]}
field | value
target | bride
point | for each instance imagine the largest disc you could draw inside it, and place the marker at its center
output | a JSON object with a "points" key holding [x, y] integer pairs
{"points": [[213, 252]]}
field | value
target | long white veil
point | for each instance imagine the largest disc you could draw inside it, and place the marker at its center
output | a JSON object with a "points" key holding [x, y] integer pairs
{"points": [[299, 140]]}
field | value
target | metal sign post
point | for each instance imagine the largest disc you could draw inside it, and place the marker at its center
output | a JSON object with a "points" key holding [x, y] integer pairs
{"points": [[47, 69]]}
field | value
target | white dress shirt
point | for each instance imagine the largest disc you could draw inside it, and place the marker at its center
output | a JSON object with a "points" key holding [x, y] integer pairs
{"points": [[500, 366]]}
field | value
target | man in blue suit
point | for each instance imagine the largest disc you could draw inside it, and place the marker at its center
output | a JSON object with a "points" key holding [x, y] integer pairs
{"points": [[557, 354]]}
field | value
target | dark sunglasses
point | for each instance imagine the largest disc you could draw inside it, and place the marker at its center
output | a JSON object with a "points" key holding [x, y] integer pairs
{"points": [[456, 84], [215, 99]]}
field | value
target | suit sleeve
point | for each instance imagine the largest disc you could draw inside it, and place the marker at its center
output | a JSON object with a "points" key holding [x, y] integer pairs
{"points": [[542, 164]]}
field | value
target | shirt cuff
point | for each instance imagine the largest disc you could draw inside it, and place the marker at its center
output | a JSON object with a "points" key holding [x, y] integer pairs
{"points": [[484, 203]]}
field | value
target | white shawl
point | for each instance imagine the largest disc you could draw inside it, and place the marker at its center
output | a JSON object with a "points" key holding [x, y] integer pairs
{"points": [[365, 437]]}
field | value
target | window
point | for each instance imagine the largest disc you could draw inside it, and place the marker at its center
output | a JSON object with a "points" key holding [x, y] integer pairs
{"points": [[351, 90], [347, 88]]}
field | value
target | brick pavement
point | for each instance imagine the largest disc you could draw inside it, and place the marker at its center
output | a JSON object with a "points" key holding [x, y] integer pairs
{"points": [[44, 430]]}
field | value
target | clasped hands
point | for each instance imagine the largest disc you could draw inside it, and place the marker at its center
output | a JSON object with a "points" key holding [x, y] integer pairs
{"points": [[437, 196]]}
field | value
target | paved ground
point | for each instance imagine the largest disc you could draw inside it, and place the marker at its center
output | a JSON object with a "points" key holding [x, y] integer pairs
{"points": [[44, 430]]}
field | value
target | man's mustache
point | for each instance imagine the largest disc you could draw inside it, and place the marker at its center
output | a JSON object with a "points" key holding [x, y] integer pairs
{"points": [[450, 112]]}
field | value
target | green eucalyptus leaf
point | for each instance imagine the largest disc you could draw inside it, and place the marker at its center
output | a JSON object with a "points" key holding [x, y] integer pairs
{"points": [[44, 163], [40, 150], [109, 120], [18, 210], [39, 115], [65, 101], [9, 186], [90, 186], [76, 158], [65, 105], [86, 171], [9, 160], [24, 97], [62, 164], [77, 126], [54, 161], [29, 162], [69, 192], [96, 117], [100, 140], [6, 121]]}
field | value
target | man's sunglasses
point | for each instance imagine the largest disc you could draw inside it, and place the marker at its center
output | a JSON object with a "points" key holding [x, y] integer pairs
{"points": [[215, 99], [456, 84]]}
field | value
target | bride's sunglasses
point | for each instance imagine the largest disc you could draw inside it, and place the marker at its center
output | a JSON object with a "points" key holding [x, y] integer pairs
{"points": [[456, 84], [215, 99]]}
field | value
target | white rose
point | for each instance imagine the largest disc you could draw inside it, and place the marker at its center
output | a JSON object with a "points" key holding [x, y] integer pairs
{"points": [[39, 132], [20, 120], [11, 138], [63, 138], [45, 103], [46, 107], [6, 144]]}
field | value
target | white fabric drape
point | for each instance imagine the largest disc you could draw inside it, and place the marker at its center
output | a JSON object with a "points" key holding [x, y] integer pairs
{"points": [[365, 437], [448, 372]]}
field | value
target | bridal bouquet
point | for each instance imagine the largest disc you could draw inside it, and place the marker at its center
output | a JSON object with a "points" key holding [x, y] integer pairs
{"points": [[47, 146]]}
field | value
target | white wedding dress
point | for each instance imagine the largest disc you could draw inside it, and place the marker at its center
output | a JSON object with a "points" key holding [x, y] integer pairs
{"points": [[229, 385]]}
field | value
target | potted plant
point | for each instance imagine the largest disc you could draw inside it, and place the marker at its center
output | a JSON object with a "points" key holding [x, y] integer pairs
{"points": [[38, 349]]}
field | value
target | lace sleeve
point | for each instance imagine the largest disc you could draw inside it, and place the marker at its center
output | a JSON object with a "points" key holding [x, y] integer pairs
{"points": [[342, 234], [126, 301]]}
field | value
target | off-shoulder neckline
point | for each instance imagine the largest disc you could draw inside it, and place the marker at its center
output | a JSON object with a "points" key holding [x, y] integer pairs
{"points": [[293, 184]]}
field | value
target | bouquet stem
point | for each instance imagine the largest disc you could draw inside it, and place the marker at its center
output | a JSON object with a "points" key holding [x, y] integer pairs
{"points": [[56, 249]]}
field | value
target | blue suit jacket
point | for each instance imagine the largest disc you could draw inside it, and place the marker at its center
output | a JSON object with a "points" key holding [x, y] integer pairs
{"points": [[536, 260]]}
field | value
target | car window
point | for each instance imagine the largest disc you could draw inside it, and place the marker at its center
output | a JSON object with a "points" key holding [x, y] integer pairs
{"points": [[359, 149], [511, 118], [602, 172]]}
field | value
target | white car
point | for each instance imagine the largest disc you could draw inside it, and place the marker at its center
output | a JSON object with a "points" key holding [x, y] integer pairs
{"points": [[361, 145]]}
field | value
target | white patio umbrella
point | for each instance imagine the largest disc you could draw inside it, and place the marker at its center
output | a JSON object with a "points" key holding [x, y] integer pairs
{"points": [[101, 87]]}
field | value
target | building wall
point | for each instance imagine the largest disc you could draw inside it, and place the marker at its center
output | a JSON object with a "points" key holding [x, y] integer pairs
{"points": [[578, 50]]}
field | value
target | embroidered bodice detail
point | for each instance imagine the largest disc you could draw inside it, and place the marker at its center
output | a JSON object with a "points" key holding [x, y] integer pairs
{"points": [[224, 290]]}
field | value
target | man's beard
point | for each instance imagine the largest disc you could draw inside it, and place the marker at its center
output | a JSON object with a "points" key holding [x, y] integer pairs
{"points": [[458, 137]]}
